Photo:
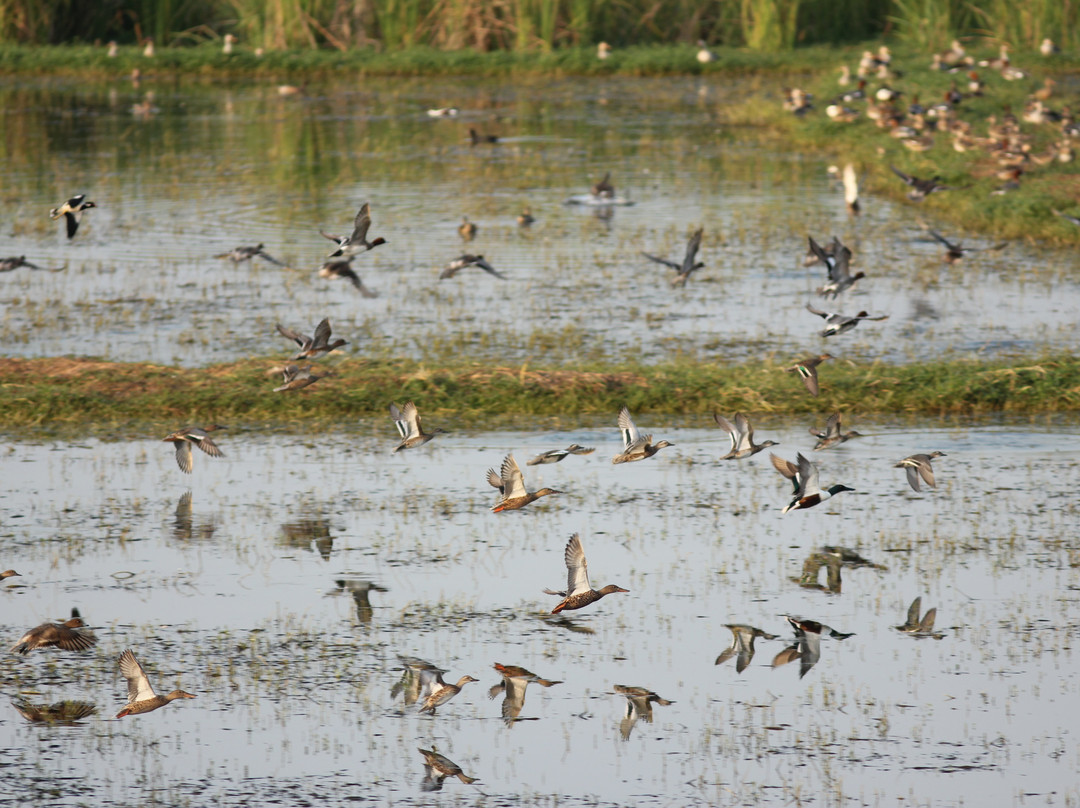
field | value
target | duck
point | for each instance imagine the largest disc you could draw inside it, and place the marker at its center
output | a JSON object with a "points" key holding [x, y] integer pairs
{"points": [[467, 229], [557, 455], [920, 189], [61, 712], [635, 445], [443, 112], [437, 768], [525, 218], [441, 692], [9, 574], [603, 188], [603, 50], [836, 260], [72, 211], [742, 437], [836, 323], [515, 681], [240, 254], [804, 478], [297, 378], [417, 679], [919, 627], [184, 439], [467, 260], [68, 636], [851, 190], [639, 702], [807, 646], [1048, 48], [318, 343], [807, 370], [14, 262], [742, 645], [688, 265], [407, 420], [919, 465], [511, 485], [141, 696], [704, 55], [954, 253], [342, 268], [579, 592], [357, 241], [476, 138], [229, 40], [832, 435]]}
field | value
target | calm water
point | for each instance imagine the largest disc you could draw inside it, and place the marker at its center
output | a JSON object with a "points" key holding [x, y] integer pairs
{"points": [[281, 583], [216, 168]]}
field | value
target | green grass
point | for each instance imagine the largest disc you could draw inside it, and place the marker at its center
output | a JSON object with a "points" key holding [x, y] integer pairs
{"points": [[54, 393]]}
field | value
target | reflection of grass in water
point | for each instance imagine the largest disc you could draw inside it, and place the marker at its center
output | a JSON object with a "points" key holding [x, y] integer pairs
{"points": [[50, 392]]}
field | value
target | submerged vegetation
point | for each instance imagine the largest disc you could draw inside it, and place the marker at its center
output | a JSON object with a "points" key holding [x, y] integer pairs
{"points": [[50, 393]]}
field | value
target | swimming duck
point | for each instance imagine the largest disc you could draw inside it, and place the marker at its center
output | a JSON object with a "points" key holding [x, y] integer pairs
{"points": [[72, 211], [639, 702], [742, 645], [525, 218], [603, 188], [312, 346], [141, 696], [579, 592], [458, 264], [688, 266], [920, 628], [839, 323], [807, 370], [804, 479], [61, 712], [515, 681], [297, 378], [832, 435], [467, 229], [407, 420], [9, 574], [511, 485], [342, 269], [441, 692], [67, 636], [476, 138], [437, 768], [556, 455], [357, 241], [635, 445], [184, 439], [918, 465], [742, 437], [955, 252], [920, 189], [240, 254], [836, 260]]}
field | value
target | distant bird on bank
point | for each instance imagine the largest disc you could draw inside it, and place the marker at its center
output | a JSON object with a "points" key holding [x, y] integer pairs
{"points": [[919, 465], [557, 455], [807, 370], [603, 50], [68, 636], [342, 268], [184, 439], [141, 696], [804, 479], [443, 112], [525, 218], [955, 252], [635, 445], [458, 264], [229, 40], [311, 347], [832, 435], [467, 230], [72, 211], [704, 55], [688, 265], [836, 259], [357, 241], [511, 485], [241, 254], [836, 323], [742, 437], [920, 189], [851, 190], [579, 592], [407, 420]]}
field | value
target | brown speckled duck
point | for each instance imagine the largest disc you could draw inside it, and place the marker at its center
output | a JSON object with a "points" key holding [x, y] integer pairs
{"points": [[579, 592], [511, 485], [67, 636], [635, 445], [141, 696]]}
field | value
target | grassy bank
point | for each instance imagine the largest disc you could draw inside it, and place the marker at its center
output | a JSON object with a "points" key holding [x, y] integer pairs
{"points": [[54, 393]]}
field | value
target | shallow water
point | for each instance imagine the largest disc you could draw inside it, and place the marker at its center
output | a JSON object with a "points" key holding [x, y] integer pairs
{"points": [[239, 595], [214, 168]]}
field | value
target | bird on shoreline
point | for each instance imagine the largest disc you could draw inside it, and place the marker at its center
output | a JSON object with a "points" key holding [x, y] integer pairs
{"points": [[579, 592]]}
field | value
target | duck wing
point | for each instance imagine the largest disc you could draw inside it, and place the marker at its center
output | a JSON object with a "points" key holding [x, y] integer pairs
{"points": [[577, 568], [630, 432], [488, 268], [513, 483], [728, 427], [322, 334], [301, 340], [361, 225], [808, 477], [495, 481], [746, 432], [692, 248], [664, 261], [139, 688], [183, 456]]}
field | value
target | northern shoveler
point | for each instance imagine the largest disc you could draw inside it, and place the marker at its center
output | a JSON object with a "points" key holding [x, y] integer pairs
{"points": [[836, 260], [807, 370], [515, 681], [467, 229], [440, 691], [437, 768], [72, 211], [832, 435], [467, 260], [240, 254], [804, 478], [556, 455], [635, 445], [511, 485], [688, 265], [68, 636], [579, 592], [342, 268], [639, 702], [407, 420], [956, 252], [742, 437], [141, 696], [297, 378], [836, 323], [312, 346], [920, 189], [918, 465], [920, 627], [742, 645], [357, 241], [184, 439]]}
